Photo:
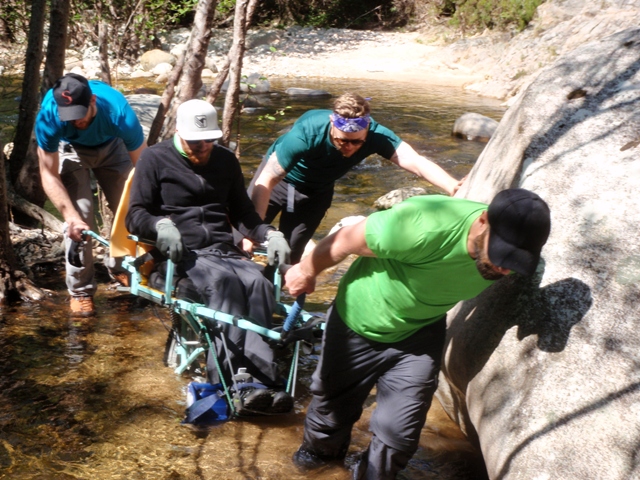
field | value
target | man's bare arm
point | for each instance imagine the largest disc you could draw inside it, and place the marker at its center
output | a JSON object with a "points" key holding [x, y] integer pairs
{"points": [[135, 154], [57, 193], [271, 174], [330, 251], [407, 158]]}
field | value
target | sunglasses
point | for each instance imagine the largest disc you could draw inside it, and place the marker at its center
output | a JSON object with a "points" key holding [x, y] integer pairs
{"points": [[196, 142], [347, 141]]}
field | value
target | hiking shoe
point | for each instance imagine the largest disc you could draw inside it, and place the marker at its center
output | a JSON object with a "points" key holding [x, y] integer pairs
{"points": [[306, 460], [82, 306], [122, 278], [282, 402], [252, 400]]}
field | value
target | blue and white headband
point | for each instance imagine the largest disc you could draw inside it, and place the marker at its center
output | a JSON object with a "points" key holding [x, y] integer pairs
{"points": [[350, 125]]}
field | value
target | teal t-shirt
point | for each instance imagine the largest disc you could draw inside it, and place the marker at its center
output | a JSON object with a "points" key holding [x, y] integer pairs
{"points": [[421, 270], [313, 163], [114, 118]]}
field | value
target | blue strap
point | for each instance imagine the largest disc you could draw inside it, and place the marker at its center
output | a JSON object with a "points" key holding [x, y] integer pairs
{"points": [[200, 407]]}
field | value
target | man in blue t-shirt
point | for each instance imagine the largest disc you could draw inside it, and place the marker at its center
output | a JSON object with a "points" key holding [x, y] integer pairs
{"points": [[85, 127], [321, 147]]}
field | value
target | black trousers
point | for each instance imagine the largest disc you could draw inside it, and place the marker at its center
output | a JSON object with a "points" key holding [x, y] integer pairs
{"points": [[235, 285], [406, 375], [300, 224]]}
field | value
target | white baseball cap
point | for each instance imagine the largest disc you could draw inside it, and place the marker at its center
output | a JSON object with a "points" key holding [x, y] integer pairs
{"points": [[197, 120]]}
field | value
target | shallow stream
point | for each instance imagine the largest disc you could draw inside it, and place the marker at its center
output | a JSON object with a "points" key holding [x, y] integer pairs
{"points": [[93, 399]]}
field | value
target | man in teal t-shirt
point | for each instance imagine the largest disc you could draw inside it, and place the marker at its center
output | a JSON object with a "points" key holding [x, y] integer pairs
{"points": [[387, 328], [297, 176], [85, 127]]}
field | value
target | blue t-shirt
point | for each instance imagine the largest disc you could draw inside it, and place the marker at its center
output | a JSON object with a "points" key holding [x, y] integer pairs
{"points": [[114, 118]]}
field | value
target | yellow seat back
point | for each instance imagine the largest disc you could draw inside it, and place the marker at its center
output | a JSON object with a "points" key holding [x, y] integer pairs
{"points": [[119, 243]]}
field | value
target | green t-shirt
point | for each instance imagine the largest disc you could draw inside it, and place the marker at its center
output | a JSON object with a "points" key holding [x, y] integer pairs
{"points": [[421, 270], [313, 163]]}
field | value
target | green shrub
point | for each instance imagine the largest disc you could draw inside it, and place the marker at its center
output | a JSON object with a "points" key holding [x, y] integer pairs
{"points": [[476, 15]]}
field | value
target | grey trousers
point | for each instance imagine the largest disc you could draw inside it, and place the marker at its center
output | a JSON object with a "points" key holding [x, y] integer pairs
{"points": [[110, 164], [299, 224], [235, 285], [406, 375], [300, 213]]}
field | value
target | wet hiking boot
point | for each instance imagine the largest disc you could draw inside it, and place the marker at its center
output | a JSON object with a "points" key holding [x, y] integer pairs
{"points": [[81, 306], [122, 278], [251, 400], [282, 402], [306, 460]]}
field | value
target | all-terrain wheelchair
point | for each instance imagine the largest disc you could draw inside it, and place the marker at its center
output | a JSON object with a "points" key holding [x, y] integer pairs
{"points": [[193, 324]]}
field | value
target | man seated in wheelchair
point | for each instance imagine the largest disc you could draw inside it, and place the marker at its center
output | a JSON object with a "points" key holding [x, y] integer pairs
{"points": [[187, 194]]}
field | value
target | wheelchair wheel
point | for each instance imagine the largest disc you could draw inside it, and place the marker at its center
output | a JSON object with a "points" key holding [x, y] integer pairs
{"points": [[181, 344], [170, 354]]}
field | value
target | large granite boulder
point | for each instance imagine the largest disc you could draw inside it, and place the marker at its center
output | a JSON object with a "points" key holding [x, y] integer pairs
{"points": [[545, 372]]}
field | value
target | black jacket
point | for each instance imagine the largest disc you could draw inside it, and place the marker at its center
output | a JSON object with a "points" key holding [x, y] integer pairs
{"points": [[203, 201]]}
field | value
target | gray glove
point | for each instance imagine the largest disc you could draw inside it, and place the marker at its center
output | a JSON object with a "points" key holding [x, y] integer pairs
{"points": [[277, 246], [169, 240]]}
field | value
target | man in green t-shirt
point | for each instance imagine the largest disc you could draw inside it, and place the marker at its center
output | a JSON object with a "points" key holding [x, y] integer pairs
{"points": [[300, 168], [386, 326]]}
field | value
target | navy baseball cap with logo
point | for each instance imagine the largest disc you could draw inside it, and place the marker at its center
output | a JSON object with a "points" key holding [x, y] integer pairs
{"points": [[520, 224], [197, 120], [73, 95]]}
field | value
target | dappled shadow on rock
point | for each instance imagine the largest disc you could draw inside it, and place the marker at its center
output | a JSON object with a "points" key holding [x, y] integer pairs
{"points": [[550, 313]]}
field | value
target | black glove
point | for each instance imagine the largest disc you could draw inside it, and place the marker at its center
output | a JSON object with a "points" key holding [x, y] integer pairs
{"points": [[277, 246], [169, 240]]}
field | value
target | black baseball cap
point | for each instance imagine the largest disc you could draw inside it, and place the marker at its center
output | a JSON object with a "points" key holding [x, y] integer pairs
{"points": [[520, 224], [73, 95]]}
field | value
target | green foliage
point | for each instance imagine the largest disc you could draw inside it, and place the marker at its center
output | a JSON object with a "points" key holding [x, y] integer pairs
{"points": [[476, 15], [520, 74], [275, 116], [225, 7], [356, 14], [14, 20]]}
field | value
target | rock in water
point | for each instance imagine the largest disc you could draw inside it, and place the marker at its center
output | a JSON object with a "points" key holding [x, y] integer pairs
{"points": [[474, 126]]}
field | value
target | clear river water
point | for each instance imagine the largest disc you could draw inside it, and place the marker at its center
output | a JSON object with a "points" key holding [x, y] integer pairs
{"points": [[93, 399]]}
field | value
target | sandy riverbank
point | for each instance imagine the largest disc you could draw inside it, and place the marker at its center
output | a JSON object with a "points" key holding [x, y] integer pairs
{"points": [[384, 56], [334, 53]]}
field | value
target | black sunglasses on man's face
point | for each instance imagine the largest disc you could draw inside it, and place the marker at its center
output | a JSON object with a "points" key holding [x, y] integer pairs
{"points": [[196, 142]]}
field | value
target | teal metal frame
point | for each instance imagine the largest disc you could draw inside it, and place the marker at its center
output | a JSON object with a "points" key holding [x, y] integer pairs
{"points": [[193, 338]]}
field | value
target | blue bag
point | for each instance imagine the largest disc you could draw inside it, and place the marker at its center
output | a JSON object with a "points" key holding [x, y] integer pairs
{"points": [[206, 403]]}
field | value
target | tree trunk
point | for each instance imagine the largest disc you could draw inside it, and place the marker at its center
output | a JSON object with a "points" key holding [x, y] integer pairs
{"points": [[6, 34], [191, 79], [165, 101], [28, 106], [7, 255], [216, 86], [223, 71], [57, 44], [13, 283], [235, 70], [33, 211], [103, 46]]}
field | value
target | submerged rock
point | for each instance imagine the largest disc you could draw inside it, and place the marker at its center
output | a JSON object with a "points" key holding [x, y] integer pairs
{"points": [[306, 92]]}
